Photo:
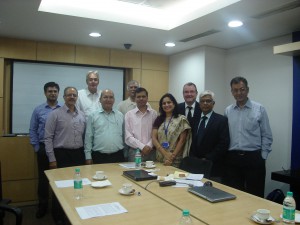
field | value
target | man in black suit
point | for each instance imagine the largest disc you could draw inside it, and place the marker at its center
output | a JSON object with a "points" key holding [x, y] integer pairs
{"points": [[210, 134], [190, 107]]}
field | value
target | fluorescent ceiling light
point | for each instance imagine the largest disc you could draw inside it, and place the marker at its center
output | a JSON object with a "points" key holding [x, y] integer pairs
{"points": [[95, 34], [170, 44], [235, 23], [166, 18]]}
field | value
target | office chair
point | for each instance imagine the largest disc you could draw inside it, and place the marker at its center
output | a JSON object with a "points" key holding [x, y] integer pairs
{"points": [[4, 207], [196, 165]]}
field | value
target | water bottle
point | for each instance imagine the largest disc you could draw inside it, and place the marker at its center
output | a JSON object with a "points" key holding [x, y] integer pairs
{"points": [[289, 206], [138, 159], [77, 184], [185, 218]]}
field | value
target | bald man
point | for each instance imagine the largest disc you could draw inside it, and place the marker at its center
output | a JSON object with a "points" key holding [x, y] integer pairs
{"points": [[104, 132]]}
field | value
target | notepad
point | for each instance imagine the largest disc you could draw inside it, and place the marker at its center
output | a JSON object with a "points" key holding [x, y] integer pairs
{"points": [[139, 175]]}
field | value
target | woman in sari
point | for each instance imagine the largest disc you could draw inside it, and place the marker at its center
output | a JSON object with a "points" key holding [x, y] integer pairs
{"points": [[171, 133]]}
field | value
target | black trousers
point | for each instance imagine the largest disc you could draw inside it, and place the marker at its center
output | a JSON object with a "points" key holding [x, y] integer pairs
{"points": [[43, 183], [99, 157], [246, 171], [65, 158]]}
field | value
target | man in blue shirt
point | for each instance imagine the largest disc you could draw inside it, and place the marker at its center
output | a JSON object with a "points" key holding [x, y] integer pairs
{"points": [[36, 131], [250, 141]]}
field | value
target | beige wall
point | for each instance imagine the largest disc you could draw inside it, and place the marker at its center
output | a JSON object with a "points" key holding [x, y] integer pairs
{"points": [[16, 155]]}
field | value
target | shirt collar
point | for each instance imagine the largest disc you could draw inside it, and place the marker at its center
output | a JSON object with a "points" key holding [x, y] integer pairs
{"points": [[247, 105], [193, 105], [208, 115]]}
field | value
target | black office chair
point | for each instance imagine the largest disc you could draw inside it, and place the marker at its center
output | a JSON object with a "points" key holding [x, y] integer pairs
{"points": [[4, 207], [196, 165]]}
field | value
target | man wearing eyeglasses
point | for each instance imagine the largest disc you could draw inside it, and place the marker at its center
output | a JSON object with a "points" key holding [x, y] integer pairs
{"points": [[88, 98], [250, 141], [210, 135], [64, 132], [104, 139]]}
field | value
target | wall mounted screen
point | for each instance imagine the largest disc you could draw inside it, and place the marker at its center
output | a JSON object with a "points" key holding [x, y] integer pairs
{"points": [[28, 86]]}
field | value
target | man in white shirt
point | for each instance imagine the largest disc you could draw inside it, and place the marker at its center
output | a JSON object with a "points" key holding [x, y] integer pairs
{"points": [[88, 98]]}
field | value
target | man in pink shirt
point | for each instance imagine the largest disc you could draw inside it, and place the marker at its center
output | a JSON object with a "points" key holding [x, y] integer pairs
{"points": [[138, 127]]}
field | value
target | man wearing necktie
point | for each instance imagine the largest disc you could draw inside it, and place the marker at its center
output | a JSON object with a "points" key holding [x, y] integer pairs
{"points": [[210, 134], [190, 107]]}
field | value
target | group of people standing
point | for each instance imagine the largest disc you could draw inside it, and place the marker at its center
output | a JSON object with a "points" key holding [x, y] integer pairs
{"points": [[88, 129]]}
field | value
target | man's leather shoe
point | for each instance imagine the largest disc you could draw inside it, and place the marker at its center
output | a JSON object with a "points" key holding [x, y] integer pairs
{"points": [[41, 212]]}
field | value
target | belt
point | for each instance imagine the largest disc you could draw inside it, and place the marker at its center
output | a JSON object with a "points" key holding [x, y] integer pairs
{"points": [[241, 152]]}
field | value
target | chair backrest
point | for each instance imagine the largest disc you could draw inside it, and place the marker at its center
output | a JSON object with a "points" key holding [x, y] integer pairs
{"points": [[196, 165]]}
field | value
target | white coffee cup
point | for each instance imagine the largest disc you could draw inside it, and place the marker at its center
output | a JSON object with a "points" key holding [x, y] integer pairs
{"points": [[100, 175], [127, 188], [149, 163], [263, 214]]}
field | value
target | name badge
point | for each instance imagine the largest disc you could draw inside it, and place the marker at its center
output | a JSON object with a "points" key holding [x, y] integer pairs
{"points": [[165, 145]]}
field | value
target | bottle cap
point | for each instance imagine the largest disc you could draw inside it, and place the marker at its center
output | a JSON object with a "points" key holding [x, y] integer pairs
{"points": [[185, 212], [290, 194], [77, 170]]}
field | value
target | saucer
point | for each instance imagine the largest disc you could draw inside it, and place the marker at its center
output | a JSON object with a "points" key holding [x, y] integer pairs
{"points": [[104, 178], [257, 220], [130, 193], [100, 184], [150, 167]]}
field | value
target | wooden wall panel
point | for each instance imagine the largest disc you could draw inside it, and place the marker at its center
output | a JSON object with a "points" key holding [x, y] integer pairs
{"points": [[1, 115], [92, 56], [17, 49], [155, 62], [20, 191], [137, 75], [1, 77], [55, 52], [156, 82], [17, 158], [126, 59]]}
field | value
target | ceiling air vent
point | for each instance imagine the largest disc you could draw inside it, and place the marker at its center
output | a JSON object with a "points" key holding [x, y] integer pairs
{"points": [[277, 10], [204, 34]]}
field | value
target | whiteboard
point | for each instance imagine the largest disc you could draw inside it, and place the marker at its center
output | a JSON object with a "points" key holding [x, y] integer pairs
{"points": [[29, 79]]}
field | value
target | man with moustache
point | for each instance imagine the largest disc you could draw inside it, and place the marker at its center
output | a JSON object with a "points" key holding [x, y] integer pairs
{"points": [[210, 135], [64, 132], [129, 103], [138, 127], [104, 132]]}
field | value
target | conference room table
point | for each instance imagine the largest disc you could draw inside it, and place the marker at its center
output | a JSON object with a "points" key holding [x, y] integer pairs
{"points": [[142, 209], [155, 204]]}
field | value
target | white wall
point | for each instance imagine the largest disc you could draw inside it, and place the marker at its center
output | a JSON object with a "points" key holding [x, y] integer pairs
{"points": [[215, 79], [186, 67], [270, 79]]}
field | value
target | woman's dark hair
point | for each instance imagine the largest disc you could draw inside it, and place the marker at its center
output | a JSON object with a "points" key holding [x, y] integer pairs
{"points": [[162, 114]]}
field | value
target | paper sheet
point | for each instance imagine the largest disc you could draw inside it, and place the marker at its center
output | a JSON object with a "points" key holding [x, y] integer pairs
{"points": [[70, 183], [128, 165], [107, 209]]}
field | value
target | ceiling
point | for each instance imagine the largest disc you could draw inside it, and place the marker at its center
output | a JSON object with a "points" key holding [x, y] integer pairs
{"points": [[263, 19]]}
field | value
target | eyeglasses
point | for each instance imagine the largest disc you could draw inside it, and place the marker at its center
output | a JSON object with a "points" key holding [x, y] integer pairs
{"points": [[207, 101], [71, 95]]}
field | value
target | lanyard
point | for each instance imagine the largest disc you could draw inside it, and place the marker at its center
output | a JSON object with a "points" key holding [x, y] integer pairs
{"points": [[166, 129]]}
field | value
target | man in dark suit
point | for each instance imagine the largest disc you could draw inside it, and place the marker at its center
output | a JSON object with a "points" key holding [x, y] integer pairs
{"points": [[190, 107], [210, 134]]}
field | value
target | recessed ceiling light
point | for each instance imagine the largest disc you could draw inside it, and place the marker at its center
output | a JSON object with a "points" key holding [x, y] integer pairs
{"points": [[170, 44], [95, 34], [235, 23]]}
